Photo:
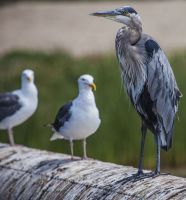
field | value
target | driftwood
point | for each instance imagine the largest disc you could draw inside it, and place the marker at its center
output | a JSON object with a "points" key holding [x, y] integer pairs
{"points": [[27, 174]]}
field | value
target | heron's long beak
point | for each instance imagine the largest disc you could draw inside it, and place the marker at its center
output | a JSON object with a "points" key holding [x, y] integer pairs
{"points": [[107, 14], [93, 86]]}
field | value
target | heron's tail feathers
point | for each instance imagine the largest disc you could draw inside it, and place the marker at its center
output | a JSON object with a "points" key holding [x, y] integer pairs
{"points": [[166, 140], [56, 136], [168, 146]]}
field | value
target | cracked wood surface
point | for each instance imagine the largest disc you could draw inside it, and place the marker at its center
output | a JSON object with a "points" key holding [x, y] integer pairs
{"points": [[27, 173]]}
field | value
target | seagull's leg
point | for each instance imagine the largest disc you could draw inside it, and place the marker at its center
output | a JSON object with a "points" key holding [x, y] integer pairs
{"points": [[143, 136], [84, 149], [11, 136], [72, 149]]}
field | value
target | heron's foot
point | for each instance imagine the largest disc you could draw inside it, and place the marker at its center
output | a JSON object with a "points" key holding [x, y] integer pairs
{"points": [[138, 176], [165, 174], [152, 174], [139, 173]]}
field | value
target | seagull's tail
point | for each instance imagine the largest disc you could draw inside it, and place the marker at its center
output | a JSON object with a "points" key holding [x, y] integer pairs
{"points": [[56, 136], [48, 125]]}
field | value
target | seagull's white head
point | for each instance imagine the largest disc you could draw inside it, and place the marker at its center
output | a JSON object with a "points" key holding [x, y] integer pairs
{"points": [[27, 76], [86, 82]]}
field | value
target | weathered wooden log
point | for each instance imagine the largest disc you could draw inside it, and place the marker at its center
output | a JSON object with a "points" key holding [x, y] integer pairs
{"points": [[27, 174]]}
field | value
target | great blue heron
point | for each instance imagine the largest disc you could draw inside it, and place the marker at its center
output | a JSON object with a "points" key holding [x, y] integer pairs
{"points": [[148, 79]]}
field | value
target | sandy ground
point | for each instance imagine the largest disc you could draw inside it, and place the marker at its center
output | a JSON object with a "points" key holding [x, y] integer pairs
{"points": [[53, 26]]}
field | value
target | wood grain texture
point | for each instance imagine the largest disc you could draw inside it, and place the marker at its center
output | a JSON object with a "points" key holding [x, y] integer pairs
{"points": [[28, 174]]}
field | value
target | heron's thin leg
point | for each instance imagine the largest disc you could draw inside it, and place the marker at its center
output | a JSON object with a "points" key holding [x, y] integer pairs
{"points": [[72, 149], [157, 170], [84, 149], [11, 136], [140, 165]]}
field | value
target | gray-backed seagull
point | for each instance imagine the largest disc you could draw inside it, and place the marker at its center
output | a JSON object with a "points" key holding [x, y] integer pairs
{"points": [[79, 118], [17, 106]]}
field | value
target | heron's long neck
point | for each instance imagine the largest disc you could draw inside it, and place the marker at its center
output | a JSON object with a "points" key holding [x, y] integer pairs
{"points": [[131, 63], [131, 35]]}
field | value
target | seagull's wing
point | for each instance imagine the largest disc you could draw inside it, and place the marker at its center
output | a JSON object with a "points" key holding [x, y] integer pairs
{"points": [[62, 116], [9, 104], [162, 88]]}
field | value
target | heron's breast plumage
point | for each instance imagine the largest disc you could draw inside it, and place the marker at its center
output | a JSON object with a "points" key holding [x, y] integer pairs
{"points": [[133, 69]]}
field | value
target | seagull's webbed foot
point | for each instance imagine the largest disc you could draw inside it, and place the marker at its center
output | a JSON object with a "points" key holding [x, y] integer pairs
{"points": [[18, 145], [85, 158]]}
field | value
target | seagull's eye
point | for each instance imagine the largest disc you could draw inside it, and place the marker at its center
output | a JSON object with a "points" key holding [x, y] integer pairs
{"points": [[83, 79]]}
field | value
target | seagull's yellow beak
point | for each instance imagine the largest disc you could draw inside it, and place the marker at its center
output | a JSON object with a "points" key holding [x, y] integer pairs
{"points": [[93, 86]]}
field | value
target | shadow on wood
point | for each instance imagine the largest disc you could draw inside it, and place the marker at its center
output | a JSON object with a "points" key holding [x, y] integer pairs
{"points": [[27, 173]]}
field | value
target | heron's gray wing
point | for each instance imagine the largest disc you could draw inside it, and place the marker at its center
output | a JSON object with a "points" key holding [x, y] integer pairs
{"points": [[62, 116], [9, 104], [162, 87]]}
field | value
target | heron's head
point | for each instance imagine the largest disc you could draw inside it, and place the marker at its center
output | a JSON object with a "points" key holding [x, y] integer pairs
{"points": [[86, 82], [125, 15], [27, 76]]}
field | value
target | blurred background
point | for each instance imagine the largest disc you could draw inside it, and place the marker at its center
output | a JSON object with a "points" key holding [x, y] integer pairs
{"points": [[60, 41]]}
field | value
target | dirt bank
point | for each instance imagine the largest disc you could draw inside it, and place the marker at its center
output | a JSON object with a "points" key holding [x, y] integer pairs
{"points": [[51, 26]]}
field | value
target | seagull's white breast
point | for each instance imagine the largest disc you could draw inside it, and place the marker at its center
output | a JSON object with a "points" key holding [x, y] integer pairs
{"points": [[84, 119], [29, 102]]}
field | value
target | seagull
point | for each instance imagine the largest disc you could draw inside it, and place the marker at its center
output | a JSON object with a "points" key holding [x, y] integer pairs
{"points": [[78, 119], [18, 105]]}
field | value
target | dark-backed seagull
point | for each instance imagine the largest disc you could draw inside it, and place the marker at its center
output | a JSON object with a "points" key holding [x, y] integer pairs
{"points": [[17, 106], [79, 118]]}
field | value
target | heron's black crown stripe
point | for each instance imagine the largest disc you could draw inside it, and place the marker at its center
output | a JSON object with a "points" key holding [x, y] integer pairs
{"points": [[130, 10], [151, 46]]}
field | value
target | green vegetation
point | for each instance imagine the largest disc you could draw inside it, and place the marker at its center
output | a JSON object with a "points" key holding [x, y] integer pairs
{"points": [[118, 137]]}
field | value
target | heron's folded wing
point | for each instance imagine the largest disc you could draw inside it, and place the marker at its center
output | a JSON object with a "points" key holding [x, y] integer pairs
{"points": [[162, 86]]}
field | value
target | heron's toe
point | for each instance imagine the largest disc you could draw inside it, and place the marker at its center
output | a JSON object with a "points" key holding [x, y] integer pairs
{"points": [[152, 174], [139, 173]]}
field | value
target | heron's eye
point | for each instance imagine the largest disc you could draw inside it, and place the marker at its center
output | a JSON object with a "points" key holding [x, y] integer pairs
{"points": [[124, 12]]}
